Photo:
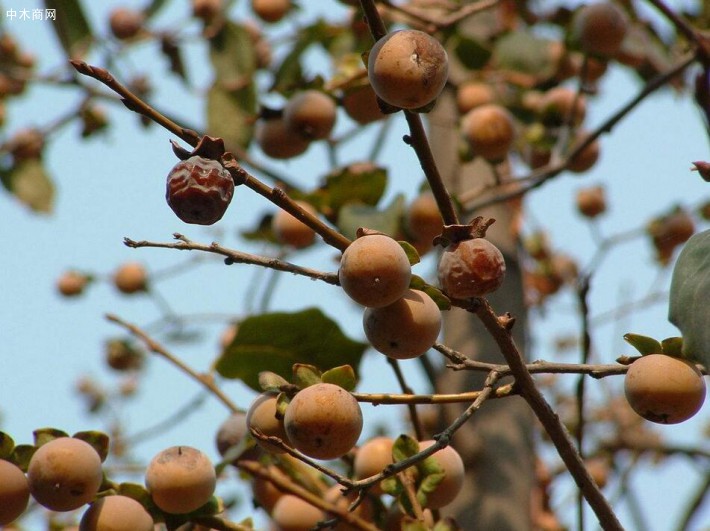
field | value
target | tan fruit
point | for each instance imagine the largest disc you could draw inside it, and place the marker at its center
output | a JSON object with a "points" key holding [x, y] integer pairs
{"points": [[206, 9], [323, 421], [452, 464], [663, 389], [371, 458], [270, 10], [294, 514], [472, 94], [424, 222], [360, 104], [471, 268], [231, 433], [14, 492], [125, 23], [405, 329], [180, 479], [311, 114], [265, 493], [489, 130], [64, 474], [26, 144], [408, 68], [277, 141], [116, 513], [131, 278], [374, 271], [586, 158], [262, 416], [600, 28], [72, 283], [562, 105], [365, 510], [591, 201], [289, 230]]}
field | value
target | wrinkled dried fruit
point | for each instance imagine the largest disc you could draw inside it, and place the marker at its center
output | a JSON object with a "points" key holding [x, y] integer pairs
{"points": [[471, 268], [199, 190]]}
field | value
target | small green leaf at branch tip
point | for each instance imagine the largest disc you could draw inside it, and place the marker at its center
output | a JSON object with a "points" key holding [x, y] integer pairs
{"points": [[410, 524], [673, 346], [7, 444], [98, 440], [644, 344], [31, 185], [343, 376], [428, 485], [71, 26], [45, 435], [305, 375], [404, 447], [270, 381], [412, 254], [441, 300], [21, 455], [282, 401], [136, 491], [391, 486]]}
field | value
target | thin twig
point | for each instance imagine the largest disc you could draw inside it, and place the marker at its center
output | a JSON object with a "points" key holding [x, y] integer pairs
{"points": [[414, 416]]}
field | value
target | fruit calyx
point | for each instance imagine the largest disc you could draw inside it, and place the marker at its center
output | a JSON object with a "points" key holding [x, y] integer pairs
{"points": [[457, 233], [209, 147]]}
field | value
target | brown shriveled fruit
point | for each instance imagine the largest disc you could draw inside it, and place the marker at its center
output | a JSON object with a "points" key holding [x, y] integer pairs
{"points": [[130, 278], [122, 355], [125, 23], [270, 10], [116, 513], [374, 270], [489, 131], [26, 144], [311, 114], [277, 141], [262, 416], [323, 421], [408, 68], [72, 283], [561, 105], [199, 190], [180, 479], [360, 104], [600, 28], [471, 268], [64, 474], [371, 458], [424, 222], [670, 231], [291, 513], [472, 94], [14, 492], [405, 329], [664, 389], [452, 464], [591, 201], [289, 230]]}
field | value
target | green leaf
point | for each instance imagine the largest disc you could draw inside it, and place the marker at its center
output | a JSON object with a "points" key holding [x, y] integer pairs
{"points": [[233, 56], [21, 455], [71, 26], [446, 524], [29, 182], [690, 286], [270, 381], [343, 376], [275, 341], [410, 524], [471, 53], [644, 344], [154, 7], [522, 51], [391, 486], [137, 492], [305, 375], [428, 485], [362, 183], [404, 447], [673, 346], [411, 252], [387, 221], [441, 300], [45, 435], [7, 444], [97, 439], [231, 113]]}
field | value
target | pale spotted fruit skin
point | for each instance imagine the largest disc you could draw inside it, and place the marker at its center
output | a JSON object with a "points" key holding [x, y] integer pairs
{"points": [[199, 190], [291, 513], [450, 487], [664, 389], [262, 416], [408, 68], [64, 474], [323, 421], [180, 479], [372, 457], [405, 329], [116, 513], [489, 130], [14, 492], [290, 230], [374, 270], [471, 268]]}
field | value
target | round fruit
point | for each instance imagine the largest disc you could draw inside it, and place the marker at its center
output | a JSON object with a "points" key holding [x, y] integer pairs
{"points": [[266, 494], [180, 479], [323, 421], [586, 158], [561, 105], [206, 9], [130, 278], [365, 510], [452, 464], [374, 270], [291, 513], [405, 329], [600, 28], [360, 103], [471, 268], [270, 10], [64, 474], [262, 416], [489, 130], [125, 23], [26, 144], [116, 513], [372, 457], [14, 492], [289, 230], [278, 141], [408, 68], [664, 389], [72, 283], [199, 190], [591, 201], [231, 432], [424, 222], [311, 114], [121, 355], [472, 94]]}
